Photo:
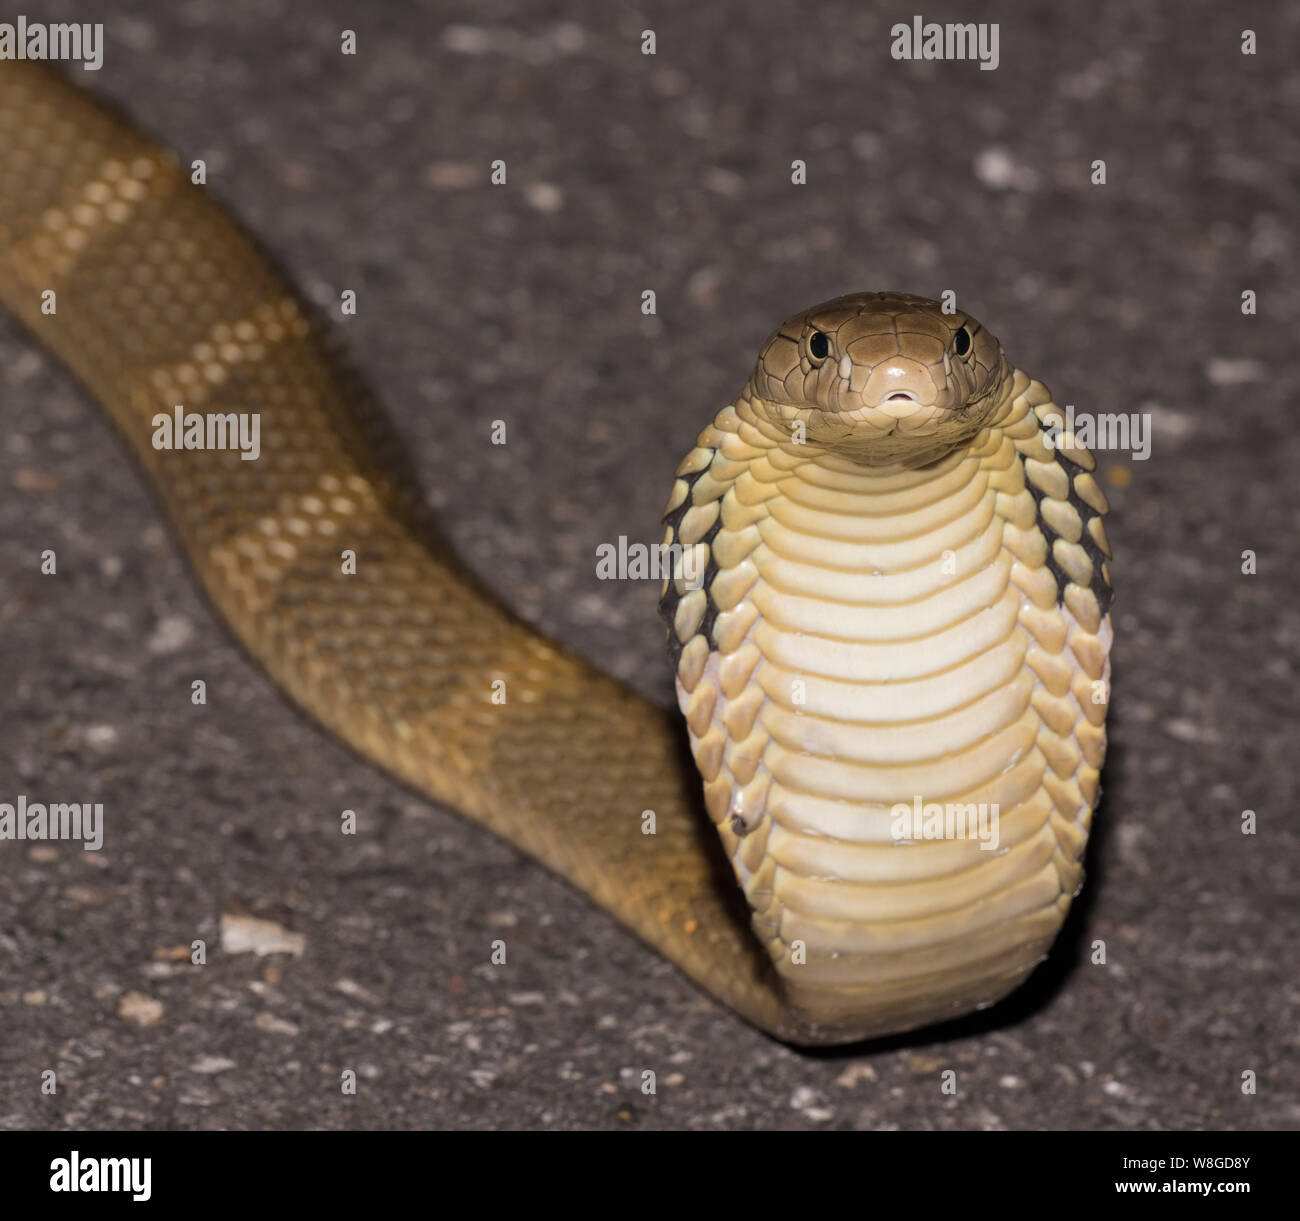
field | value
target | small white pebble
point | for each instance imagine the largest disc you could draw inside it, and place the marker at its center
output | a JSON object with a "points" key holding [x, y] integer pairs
{"points": [[854, 1075], [23, 367], [1189, 731], [171, 635], [101, 737], [1166, 423], [995, 168], [544, 196], [527, 998], [274, 1025], [212, 1064], [350, 987], [1222, 371], [139, 1010], [246, 935]]}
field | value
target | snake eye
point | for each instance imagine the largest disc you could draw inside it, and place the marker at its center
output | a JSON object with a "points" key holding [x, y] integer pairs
{"points": [[819, 346], [961, 342]]}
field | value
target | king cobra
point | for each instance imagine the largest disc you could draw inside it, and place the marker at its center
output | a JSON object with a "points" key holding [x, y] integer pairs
{"points": [[888, 602]]}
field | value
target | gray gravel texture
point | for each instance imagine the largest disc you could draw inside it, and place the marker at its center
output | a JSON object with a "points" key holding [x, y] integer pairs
{"points": [[629, 172]]}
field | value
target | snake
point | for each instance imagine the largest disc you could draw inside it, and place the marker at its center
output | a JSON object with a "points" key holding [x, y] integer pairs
{"points": [[885, 582]]}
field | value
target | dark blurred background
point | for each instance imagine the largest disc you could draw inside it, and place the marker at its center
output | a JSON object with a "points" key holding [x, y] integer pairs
{"points": [[523, 303]]}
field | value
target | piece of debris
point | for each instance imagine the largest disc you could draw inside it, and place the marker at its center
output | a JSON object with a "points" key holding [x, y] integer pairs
{"points": [[248, 935], [212, 1064], [274, 1025], [139, 1010]]}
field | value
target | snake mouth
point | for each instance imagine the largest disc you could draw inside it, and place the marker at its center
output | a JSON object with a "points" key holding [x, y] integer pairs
{"points": [[884, 433], [900, 415]]}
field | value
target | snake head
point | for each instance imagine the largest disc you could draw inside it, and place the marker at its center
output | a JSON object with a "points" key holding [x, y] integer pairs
{"points": [[880, 377]]}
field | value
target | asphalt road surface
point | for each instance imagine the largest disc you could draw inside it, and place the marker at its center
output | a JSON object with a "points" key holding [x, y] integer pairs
{"points": [[671, 173]]}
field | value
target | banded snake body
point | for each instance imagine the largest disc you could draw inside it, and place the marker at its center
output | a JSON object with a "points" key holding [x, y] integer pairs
{"points": [[897, 595]]}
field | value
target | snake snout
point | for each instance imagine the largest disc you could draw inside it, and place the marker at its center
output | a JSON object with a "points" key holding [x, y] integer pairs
{"points": [[898, 387]]}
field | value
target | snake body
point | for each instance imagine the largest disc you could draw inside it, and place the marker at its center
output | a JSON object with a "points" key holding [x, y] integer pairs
{"points": [[901, 597]]}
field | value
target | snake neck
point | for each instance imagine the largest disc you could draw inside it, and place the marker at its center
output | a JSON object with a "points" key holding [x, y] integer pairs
{"points": [[746, 467], [852, 637]]}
